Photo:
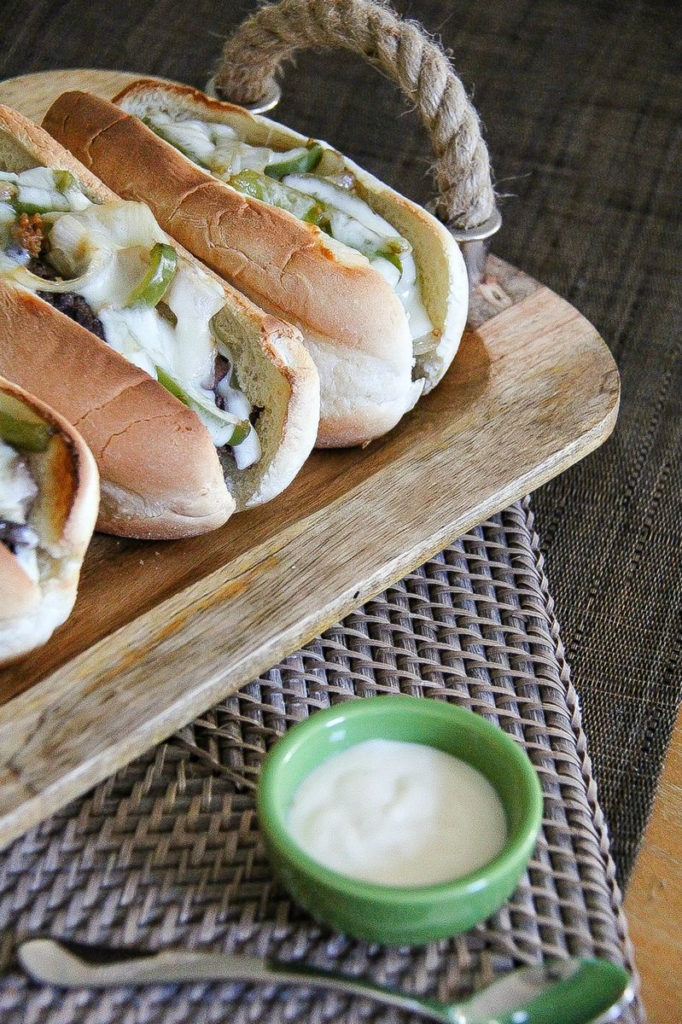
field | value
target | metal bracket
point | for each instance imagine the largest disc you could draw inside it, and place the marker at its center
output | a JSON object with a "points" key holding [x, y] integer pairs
{"points": [[477, 234], [268, 102]]}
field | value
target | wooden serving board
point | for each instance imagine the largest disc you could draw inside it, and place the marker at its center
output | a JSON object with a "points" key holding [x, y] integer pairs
{"points": [[162, 631]]}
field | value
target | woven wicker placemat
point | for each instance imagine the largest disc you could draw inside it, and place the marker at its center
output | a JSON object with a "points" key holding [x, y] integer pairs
{"points": [[168, 851]]}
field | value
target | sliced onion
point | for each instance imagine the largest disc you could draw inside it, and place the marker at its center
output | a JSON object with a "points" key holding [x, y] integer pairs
{"points": [[190, 135], [352, 205], [38, 177], [22, 276], [116, 225], [425, 343], [352, 233], [219, 423], [220, 132], [36, 199]]}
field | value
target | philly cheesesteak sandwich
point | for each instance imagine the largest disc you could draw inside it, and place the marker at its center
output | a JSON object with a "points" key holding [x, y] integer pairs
{"points": [[49, 492], [193, 401], [376, 285]]}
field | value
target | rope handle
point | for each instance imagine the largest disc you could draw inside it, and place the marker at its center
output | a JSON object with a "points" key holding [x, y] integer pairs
{"points": [[252, 56]]}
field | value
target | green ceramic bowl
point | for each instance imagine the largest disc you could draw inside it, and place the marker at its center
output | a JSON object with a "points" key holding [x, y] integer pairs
{"points": [[388, 914]]}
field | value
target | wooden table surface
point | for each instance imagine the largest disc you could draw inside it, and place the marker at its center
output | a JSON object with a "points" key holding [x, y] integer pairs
{"points": [[653, 901]]}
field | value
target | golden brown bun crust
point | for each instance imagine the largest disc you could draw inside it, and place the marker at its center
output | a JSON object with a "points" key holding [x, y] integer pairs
{"points": [[63, 515], [161, 477], [264, 251], [38, 147]]}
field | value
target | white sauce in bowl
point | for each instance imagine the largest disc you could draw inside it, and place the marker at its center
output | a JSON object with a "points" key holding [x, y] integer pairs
{"points": [[400, 814]]}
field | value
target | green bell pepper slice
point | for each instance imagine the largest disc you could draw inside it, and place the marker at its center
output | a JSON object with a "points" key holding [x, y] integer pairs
{"points": [[163, 263], [241, 427], [297, 161], [268, 190], [29, 437], [64, 181]]}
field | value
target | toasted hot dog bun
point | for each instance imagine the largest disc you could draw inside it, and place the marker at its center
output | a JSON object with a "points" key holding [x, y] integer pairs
{"points": [[161, 475], [351, 320], [62, 514]]}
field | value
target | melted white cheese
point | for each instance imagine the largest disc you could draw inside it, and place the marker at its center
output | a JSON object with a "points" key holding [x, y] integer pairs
{"points": [[18, 491], [17, 486], [184, 350], [352, 221]]}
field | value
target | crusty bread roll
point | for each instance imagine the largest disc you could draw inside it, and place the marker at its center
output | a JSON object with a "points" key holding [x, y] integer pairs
{"points": [[61, 509], [353, 323], [161, 474]]}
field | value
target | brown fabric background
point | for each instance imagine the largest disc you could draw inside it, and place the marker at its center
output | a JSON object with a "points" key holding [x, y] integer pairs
{"points": [[580, 102]]}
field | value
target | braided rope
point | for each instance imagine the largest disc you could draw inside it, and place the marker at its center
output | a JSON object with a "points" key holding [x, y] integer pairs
{"points": [[253, 54]]}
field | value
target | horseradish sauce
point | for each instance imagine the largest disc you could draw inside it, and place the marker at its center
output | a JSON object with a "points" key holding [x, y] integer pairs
{"points": [[398, 814]]}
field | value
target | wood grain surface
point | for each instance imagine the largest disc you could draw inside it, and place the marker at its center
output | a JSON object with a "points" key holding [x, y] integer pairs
{"points": [[653, 901], [161, 631]]}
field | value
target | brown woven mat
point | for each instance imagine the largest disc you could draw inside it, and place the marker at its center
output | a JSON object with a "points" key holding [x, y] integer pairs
{"points": [[168, 852]]}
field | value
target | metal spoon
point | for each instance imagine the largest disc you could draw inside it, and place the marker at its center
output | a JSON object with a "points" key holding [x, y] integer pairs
{"points": [[570, 991]]}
